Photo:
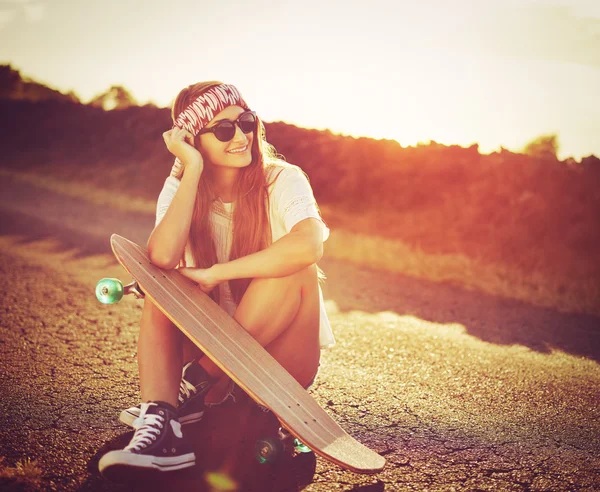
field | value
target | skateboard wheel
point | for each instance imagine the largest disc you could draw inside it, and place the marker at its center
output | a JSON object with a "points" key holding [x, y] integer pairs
{"points": [[268, 450], [109, 290], [300, 447]]}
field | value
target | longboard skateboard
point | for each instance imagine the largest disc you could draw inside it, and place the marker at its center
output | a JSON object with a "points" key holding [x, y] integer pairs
{"points": [[242, 358]]}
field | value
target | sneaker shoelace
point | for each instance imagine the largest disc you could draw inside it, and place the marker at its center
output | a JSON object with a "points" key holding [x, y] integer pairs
{"points": [[186, 391], [146, 430]]}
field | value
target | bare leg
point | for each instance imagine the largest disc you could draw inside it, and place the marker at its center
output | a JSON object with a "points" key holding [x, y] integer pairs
{"points": [[283, 315], [190, 351], [159, 356]]}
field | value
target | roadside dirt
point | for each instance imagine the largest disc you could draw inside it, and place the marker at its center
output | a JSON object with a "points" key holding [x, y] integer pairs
{"points": [[459, 390]]}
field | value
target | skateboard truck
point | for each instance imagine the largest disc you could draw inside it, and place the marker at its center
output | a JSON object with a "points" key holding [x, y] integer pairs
{"points": [[269, 450], [112, 290], [284, 435]]}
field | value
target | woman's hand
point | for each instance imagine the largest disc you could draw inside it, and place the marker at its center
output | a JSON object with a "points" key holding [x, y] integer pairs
{"points": [[180, 143], [204, 277]]}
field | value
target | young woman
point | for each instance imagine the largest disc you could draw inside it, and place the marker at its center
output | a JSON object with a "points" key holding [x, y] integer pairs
{"points": [[244, 225]]}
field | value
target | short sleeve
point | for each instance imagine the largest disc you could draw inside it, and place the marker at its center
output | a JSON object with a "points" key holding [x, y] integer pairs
{"points": [[296, 201], [166, 197]]}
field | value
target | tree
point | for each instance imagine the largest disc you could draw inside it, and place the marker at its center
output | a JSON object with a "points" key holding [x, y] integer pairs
{"points": [[544, 147], [10, 81], [117, 97]]}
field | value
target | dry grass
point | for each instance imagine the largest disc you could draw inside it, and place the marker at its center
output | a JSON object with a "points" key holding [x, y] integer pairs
{"points": [[25, 475], [538, 287], [84, 191]]}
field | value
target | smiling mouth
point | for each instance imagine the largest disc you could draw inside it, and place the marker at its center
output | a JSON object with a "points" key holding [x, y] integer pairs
{"points": [[238, 151]]}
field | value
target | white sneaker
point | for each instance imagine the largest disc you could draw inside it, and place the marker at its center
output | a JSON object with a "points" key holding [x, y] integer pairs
{"points": [[157, 444]]}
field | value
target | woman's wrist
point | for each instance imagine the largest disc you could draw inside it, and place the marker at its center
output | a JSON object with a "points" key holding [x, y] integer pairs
{"points": [[177, 169], [193, 167], [192, 173], [219, 272]]}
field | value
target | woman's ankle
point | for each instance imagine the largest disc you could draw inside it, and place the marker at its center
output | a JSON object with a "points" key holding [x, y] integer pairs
{"points": [[219, 391], [211, 368]]}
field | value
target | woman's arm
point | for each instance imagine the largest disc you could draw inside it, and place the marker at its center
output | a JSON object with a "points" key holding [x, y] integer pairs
{"points": [[167, 241], [166, 244], [302, 247]]}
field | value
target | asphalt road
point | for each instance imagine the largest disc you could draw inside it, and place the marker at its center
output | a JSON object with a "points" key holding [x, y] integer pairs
{"points": [[459, 390]]}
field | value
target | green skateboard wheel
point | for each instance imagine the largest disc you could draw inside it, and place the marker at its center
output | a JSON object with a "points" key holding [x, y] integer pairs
{"points": [[301, 448], [109, 290], [268, 450]]}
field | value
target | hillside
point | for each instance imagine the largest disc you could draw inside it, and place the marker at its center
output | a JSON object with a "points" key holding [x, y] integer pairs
{"points": [[502, 207], [16, 87], [521, 225]]}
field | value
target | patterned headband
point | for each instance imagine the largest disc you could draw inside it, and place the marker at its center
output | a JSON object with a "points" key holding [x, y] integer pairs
{"points": [[199, 113]]}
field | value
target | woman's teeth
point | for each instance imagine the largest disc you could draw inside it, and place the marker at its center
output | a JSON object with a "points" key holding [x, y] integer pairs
{"points": [[238, 151]]}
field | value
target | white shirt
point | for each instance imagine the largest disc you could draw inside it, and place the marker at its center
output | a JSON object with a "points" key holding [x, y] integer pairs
{"points": [[291, 200]]}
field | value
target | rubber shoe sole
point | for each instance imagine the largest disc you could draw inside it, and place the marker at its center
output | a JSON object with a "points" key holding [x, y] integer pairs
{"points": [[123, 466]]}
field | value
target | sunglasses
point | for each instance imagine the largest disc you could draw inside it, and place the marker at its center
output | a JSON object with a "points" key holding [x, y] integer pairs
{"points": [[225, 130]]}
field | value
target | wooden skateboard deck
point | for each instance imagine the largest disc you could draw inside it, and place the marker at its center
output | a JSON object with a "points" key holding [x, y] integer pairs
{"points": [[244, 360]]}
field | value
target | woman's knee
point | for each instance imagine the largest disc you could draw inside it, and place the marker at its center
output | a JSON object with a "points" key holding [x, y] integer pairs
{"points": [[309, 271], [311, 275], [300, 276], [152, 315]]}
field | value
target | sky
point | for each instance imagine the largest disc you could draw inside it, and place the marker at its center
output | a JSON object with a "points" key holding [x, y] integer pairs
{"points": [[494, 72]]}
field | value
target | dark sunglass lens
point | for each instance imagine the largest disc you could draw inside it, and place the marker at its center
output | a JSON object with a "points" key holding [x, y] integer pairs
{"points": [[247, 122], [225, 131]]}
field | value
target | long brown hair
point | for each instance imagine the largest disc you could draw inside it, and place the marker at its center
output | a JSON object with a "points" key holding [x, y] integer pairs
{"points": [[251, 228]]}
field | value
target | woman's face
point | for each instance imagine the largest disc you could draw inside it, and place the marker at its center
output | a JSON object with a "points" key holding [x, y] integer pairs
{"points": [[217, 152]]}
